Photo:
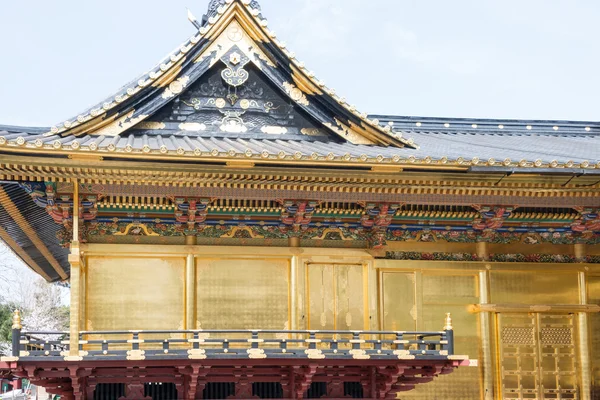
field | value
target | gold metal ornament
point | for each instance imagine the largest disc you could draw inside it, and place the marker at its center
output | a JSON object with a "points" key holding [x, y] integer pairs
{"points": [[448, 326], [16, 320]]}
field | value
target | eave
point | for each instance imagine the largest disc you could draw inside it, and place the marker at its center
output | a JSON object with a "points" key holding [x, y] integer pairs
{"points": [[360, 157], [454, 187]]}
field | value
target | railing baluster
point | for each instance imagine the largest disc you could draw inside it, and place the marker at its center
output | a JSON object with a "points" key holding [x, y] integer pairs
{"points": [[356, 340], [196, 345], [399, 338], [225, 345], [254, 343], [420, 345], [135, 342], [312, 345]]}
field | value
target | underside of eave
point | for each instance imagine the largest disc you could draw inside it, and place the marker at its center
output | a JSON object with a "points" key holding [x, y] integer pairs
{"points": [[31, 233]]}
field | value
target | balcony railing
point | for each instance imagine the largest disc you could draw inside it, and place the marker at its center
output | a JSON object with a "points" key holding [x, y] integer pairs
{"points": [[232, 344]]}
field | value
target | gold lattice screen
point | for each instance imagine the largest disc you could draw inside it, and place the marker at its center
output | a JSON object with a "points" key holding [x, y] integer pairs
{"points": [[537, 356]]}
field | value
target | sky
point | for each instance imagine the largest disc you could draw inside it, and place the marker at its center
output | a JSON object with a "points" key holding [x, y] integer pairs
{"points": [[534, 59]]}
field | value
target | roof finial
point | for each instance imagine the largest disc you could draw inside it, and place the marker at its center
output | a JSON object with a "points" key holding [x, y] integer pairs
{"points": [[193, 19], [214, 5]]}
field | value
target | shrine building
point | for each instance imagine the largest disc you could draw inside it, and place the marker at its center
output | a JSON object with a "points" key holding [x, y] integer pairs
{"points": [[231, 228]]}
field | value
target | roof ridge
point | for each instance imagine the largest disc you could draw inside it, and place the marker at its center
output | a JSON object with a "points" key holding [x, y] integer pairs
{"points": [[492, 126]]}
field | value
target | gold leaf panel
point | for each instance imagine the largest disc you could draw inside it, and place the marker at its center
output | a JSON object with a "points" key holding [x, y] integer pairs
{"points": [[243, 293]]}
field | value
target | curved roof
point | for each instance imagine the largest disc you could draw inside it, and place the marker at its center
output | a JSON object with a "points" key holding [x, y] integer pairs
{"points": [[144, 117]]}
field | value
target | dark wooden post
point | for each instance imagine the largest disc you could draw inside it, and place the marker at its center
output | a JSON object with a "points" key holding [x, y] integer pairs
{"points": [[16, 334]]}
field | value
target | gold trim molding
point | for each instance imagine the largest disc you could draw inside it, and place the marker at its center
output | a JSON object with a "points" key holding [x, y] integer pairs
{"points": [[520, 308]]}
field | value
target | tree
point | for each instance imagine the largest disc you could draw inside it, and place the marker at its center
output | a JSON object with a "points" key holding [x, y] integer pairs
{"points": [[6, 311], [41, 306], [41, 310], [5, 322], [7, 267]]}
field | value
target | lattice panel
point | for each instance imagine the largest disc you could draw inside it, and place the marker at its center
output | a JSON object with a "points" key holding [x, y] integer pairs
{"points": [[538, 359], [551, 336], [518, 336], [558, 363]]}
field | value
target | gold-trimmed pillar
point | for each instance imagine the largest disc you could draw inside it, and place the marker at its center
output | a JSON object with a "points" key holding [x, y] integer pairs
{"points": [[482, 251], [190, 292], [584, 342], [83, 273], [485, 322], [294, 293], [75, 262], [580, 251]]}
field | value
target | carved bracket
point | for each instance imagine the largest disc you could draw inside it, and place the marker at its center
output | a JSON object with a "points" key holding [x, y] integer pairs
{"points": [[491, 218], [587, 222], [60, 207], [378, 217], [297, 214], [191, 211]]}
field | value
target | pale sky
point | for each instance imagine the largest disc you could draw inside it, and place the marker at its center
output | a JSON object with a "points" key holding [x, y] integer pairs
{"points": [[533, 59]]}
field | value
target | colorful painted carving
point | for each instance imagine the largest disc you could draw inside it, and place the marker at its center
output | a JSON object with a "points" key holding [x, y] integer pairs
{"points": [[491, 217]]}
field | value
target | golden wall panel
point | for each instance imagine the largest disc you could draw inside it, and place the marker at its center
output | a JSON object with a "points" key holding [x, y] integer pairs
{"points": [[131, 293], [321, 297], [335, 296], [399, 309], [450, 289], [594, 334], [243, 294], [517, 287], [464, 383], [350, 305]]}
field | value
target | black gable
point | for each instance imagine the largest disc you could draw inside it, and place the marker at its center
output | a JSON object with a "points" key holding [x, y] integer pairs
{"points": [[256, 108]]}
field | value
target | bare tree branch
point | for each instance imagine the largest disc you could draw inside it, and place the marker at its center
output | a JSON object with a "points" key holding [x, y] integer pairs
{"points": [[7, 267]]}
